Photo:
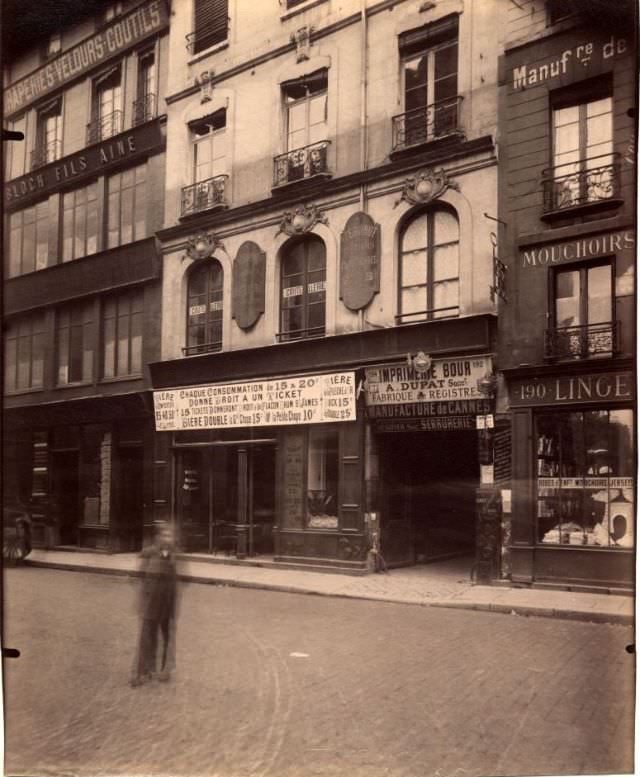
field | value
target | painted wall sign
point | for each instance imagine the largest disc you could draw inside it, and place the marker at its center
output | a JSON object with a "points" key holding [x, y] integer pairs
{"points": [[311, 399], [131, 145], [571, 64], [570, 389], [249, 271], [120, 35], [455, 407], [446, 379], [454, 423], [580, 248], [359, 261]]}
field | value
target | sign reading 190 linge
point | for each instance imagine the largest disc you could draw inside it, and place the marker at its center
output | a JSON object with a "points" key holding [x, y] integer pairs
{"points": [[308, 399]]}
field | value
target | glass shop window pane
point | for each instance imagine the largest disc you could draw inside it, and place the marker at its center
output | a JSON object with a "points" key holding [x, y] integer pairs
{"points": [[322, 478], [600, 294], [568, 299]]}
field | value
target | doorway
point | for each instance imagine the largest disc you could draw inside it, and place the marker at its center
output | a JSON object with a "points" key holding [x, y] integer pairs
{"points": [[429, 493], [130, 487], [226, 498], [65, 493]]}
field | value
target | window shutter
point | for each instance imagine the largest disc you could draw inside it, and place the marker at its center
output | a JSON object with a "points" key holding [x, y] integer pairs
{"points": [[248, 294], [350, 488], [211, 23], [437, 32]]}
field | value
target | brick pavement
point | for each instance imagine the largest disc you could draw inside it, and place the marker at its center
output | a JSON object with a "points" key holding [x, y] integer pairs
{"points": [[443, 585], [297, 686]]}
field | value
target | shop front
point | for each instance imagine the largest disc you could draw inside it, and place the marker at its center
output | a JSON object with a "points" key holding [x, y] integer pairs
{"points": [[431, 421], [574, 491]]}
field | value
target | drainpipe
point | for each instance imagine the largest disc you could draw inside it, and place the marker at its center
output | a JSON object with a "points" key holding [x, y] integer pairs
{"points": [[363, 118]]}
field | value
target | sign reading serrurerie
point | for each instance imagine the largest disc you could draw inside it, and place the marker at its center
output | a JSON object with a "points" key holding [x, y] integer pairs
{"points": [[308, 399]]}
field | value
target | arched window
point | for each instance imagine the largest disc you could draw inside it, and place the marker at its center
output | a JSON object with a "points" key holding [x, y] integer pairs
{"points": [[429, 267], [204, 309], [303, 285]]}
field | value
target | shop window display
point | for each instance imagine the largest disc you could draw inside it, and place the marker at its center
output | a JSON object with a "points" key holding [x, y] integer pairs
{"points": [[322, 479], [584, 478]]}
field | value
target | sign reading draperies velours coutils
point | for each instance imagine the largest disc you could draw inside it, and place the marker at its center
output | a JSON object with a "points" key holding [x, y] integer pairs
{"points": [[359, 261], [248, 284], [122, 34], [308, 399]]}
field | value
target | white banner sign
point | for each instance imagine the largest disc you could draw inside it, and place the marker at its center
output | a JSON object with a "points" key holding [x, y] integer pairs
{"points": [[312, 399], [445, 379]]}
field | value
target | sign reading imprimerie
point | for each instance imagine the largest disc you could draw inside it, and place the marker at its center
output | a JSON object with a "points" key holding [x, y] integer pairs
{"points": [[309, 399], [444, 380]]}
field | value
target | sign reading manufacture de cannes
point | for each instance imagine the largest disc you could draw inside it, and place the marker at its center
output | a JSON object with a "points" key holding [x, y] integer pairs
{"points": [[310, 399]]}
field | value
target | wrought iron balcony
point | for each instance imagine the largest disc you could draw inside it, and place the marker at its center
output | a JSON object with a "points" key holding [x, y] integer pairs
{"points": [[44, 154], [300, 334], [192, 350], [144, 109], [581, 183], [422, 125], [104, 127], [204, 195], [301, 163], [582, 342]]}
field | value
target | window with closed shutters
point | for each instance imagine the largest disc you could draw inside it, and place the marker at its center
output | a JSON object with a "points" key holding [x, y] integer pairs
{"points": [[211, 24]]}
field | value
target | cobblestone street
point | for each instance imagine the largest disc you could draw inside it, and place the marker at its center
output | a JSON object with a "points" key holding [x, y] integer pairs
{"points": [[297, 686]]}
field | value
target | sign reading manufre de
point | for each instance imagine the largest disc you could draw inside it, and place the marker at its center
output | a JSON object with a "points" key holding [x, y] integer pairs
{"points": [[119, 36], [309, 399]]}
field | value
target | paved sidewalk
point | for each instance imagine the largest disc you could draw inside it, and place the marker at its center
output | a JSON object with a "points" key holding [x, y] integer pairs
{"points": [[435, 585]]}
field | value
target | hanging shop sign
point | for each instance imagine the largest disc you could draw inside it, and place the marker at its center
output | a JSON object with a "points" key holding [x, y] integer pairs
{"points": [[122, 34], [445, 380], [578, 249], [309, 399], [572, 389]]}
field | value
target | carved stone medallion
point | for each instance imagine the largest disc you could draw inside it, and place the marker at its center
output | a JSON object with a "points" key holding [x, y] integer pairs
{"points": [[301, 220], [426, 186], [203, 245]]}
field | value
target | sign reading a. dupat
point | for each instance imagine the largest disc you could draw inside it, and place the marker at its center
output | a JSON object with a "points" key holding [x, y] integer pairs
{"points": [[309, 399], [119, 36]]}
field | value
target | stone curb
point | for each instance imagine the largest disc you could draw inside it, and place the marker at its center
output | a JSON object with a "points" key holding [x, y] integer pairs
{"points": [[504, 609]]}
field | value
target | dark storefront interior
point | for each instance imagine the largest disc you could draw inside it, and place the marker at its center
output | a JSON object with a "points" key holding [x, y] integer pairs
{"points": [[221, 484], [430, 489]]}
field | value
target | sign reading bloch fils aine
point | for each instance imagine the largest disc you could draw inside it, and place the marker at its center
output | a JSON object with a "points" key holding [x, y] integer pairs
{"points": [[309, 399]]}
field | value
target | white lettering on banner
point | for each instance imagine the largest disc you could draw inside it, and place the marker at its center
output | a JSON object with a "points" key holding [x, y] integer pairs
{"points": [[217, 305], [317, 286], [444, 380], [197, 310], [532, 75], [312, 399]]}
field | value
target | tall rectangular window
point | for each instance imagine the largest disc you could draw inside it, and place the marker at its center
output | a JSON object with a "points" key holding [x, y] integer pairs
{"points": [[306, 106], [145, 106], [24, 353], [127, 206], [74, 343], [583, 161], [122, 334], [80, 222], [322, 478], [430, 82], [48, 134], [28, 248], [107, 106], [211, 24], [209, 146]]}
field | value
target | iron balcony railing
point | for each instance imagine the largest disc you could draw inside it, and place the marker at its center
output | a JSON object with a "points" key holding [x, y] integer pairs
{"points": [[301, 163], [300, 334], [44, 154], [422, 125], [418, 316], [582, 342], [581, 183], [144, 109], [190, 350], [204, 195], [104, 127]]}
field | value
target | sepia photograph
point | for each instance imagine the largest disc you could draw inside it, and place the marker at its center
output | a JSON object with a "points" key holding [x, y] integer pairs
{"points": [[319, 432]]}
